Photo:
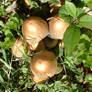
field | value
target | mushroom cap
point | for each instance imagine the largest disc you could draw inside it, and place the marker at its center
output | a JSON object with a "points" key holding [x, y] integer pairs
{"points": [[50, 43], [34, 30], [40, 47], [44, 64], [17, 48], [37, 79], [27, 3], [57, 27]]}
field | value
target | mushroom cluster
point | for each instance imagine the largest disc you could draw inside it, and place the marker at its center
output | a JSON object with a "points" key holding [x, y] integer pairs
{"points": [[38, 34]]}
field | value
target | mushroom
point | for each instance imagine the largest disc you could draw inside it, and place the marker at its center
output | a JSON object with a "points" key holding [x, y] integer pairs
{"points": [[40, 47], [27, 3], [57, 27], [17, 48], [37, 79], [34, 30], [44, 65], [61, 44], [50, 43]]}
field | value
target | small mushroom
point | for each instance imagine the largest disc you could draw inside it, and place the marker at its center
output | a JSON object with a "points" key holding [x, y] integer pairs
{"points": [[37, 79], [61, 44], [34, 30], [44, 65], [17, 48], [50, 43], [40, 47], [57, 27], [27, 3]]}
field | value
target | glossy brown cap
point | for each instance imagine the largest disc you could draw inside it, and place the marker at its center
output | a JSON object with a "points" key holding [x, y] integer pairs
{"points": [[27, 3], [44, 64], [34, 30], [50, 43], [57, 27]]}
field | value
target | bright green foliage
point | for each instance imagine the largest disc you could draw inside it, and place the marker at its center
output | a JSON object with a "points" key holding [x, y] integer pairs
{"points": [[43, 1], [33, 4], [73, 35], [54, 1], [86, 21], [71, 8], [88, 3], [65, 15], [88, 78]]}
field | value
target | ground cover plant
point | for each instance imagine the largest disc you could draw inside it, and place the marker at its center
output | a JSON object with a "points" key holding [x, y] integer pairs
{"points": [[45, 45]]}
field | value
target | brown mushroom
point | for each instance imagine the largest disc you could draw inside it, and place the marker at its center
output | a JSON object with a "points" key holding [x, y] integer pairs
{"points": [[57, 27], [40, 47], [27, 3], [17, 48], [34, 30], [44, 65], [37, 79], [50, 43]]}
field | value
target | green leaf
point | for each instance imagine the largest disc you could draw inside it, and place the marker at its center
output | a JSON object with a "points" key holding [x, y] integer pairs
{"points": [[80, 12], [88, 62], [4, 55], [1, 79], [42, 86], [2, 11], [90, 49], [63, 10], [71, 8], [54, 1], [43, 1], [33, 4], [63, 13], [13, 22], [88, 78], [58, 86], [24, 69], [1, 24], [71, 38], [85, 37], [59, 68], [8, 43], [86, 21], [88, 3], [69, 63]]}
